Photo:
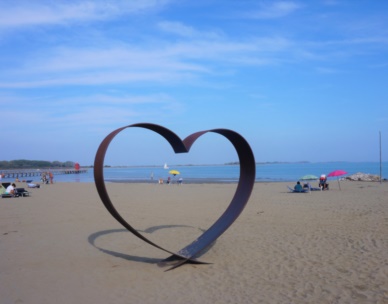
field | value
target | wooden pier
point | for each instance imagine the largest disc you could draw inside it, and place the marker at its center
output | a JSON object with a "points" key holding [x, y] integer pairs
{"points": [[20, 173]]}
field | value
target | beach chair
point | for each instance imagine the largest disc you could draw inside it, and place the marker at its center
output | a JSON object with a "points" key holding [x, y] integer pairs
{"points": [[314, 188], [294, 191], [7, 195], [310, 188], [21, 192]]}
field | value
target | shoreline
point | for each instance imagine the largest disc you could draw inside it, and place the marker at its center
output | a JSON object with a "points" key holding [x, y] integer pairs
{"points": [[211, 174], [192, 181]]}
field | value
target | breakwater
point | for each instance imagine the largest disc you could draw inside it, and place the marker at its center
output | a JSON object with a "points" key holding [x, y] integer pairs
{"points": [[20, 173]]}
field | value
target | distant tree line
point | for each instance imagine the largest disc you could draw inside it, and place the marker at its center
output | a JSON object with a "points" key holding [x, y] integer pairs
{"points": [[32, 164]]}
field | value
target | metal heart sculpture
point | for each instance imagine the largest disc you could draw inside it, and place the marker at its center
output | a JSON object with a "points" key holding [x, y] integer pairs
{"points": [[234, 209]]}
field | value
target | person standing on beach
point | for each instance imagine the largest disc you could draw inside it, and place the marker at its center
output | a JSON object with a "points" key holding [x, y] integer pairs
{"points": [[44, 178], [51, 176]]}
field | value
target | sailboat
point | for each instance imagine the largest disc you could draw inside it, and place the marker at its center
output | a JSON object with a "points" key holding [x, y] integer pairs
{"points": [[165, 166]]}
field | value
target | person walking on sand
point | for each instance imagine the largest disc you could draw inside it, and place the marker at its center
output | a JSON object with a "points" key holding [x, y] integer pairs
{"points": [[51, 176]]}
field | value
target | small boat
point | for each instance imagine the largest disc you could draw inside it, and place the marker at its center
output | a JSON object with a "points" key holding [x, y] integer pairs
{"points": [[165, 166]]}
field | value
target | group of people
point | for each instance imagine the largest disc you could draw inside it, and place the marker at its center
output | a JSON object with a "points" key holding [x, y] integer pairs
{"points": [[323, 185], [11, 188], [44, 177], [179, 182]]}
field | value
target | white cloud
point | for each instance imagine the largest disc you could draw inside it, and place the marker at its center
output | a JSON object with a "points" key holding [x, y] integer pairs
{"points": [[25, 13], [124, 57], [275, 10], [180, 29], [86, 113], [118, 100], [100, 78], [160, 63]]}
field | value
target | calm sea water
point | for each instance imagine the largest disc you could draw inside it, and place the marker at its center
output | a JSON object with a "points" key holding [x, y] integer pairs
{"points": [[265, 172]]}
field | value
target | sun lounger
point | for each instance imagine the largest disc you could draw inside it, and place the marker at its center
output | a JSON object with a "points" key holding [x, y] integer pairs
{"points": [[315, 189], [310, 188], [33, 185], [21, 192]]}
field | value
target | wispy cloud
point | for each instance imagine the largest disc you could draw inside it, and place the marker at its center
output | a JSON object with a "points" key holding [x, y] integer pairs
{"points": [[178, 28], [183, 30], [26, 13], [128, 63], [272, 10], [126, 57], [89, 112], [116, 99], [370, 40]]}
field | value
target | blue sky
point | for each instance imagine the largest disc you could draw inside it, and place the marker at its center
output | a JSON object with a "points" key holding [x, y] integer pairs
{"points": [[300, 80]]}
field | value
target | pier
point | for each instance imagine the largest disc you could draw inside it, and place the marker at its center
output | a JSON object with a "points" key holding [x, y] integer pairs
{"points": [[20, 173]]}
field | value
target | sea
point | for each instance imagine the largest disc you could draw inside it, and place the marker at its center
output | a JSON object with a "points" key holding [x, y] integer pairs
{"points": [[265, 172]]}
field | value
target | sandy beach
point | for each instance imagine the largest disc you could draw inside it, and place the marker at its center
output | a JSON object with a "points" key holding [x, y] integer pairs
{"points": [[60, 245]]}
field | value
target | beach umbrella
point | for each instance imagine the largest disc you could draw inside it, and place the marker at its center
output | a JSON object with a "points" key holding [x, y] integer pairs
{"points": [[337, 173], [174, 172], [309, 177]]}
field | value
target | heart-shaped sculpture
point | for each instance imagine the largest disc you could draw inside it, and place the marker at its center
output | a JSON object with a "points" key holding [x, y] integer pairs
{"points": [[236, 206]]}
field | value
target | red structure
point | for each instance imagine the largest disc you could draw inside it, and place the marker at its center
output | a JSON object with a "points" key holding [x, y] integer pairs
{"points": [[76, 166]]}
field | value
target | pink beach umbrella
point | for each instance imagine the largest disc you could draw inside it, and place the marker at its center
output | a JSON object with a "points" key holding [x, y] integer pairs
{"points": [[337, 173]]}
